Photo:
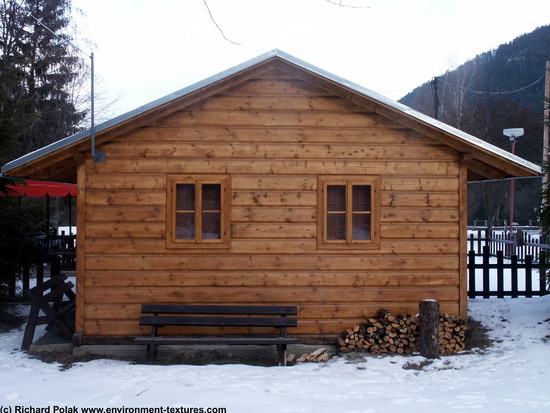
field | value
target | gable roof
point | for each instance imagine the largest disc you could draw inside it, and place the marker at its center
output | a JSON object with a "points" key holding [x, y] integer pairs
{"points": [[58, 160]]}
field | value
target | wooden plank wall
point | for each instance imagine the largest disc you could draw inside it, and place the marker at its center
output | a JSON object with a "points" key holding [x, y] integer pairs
{"points": [[274, 135]]}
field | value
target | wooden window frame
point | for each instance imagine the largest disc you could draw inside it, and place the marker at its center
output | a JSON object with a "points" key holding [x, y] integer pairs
{"points": [[225, 213], [348, 181]]}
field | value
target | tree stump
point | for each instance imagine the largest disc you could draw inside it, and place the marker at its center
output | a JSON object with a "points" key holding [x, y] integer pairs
{"points": [[429, 328]]}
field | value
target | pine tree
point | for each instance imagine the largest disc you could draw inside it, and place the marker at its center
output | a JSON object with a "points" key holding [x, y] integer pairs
{"points": [[12, 74], [37, 66]]}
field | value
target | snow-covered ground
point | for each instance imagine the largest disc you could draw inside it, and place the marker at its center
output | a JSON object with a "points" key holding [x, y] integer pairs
{"points": [[512, 375]]}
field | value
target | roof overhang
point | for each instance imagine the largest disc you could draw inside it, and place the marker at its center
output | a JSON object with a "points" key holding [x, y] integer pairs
{"points": [[58, 160]]}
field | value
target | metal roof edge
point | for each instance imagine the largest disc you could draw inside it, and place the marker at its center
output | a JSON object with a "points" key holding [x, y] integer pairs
{"points": [[472, 140], [31, 156], [478, 142]]}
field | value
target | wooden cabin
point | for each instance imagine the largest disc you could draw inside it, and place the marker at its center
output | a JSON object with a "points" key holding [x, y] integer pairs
{"points": [[273, 182]]}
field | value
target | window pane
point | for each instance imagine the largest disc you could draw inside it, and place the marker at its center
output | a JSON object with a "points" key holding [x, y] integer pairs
{"points": [[211, 197], [211, 225], [361, 227], [361, 198], [185, 225], [336, 198], [336, 226], [185, 197]]}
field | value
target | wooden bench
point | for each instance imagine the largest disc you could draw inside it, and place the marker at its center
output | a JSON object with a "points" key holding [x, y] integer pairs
{"points": [[156, 316]]}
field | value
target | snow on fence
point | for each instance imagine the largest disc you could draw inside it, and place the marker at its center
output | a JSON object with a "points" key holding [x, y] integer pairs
{"points": [[523, 242]]}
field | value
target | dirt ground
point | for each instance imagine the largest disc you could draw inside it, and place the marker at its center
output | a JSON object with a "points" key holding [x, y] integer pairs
{"points": [[476, 336]]}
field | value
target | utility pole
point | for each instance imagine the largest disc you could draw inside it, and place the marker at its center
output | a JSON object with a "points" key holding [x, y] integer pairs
{"points": [[546, 139], [513, 134], [545, 144], [97, 156], [435, 88]]}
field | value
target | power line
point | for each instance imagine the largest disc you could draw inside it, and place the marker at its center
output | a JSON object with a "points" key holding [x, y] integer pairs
{"points": [[480, 92], [43, 25], [70, 40], [518, 178]]}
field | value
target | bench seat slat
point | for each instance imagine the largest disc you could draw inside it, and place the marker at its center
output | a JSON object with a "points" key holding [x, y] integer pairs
{"points": [[216, 340], [219, 309], [164, 320]]}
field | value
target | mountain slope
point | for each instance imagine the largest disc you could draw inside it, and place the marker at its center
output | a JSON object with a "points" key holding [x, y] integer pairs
{"points": [[511, 75]]}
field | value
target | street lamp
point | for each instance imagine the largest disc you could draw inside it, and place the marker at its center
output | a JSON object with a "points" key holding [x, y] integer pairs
{"points": [[513, 134]]}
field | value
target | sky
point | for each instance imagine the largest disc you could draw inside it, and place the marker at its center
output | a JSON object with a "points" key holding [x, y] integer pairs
{"points": [[146, 49]]}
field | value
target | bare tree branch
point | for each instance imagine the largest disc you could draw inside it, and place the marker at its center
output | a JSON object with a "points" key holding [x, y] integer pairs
{"points": [[216, 24], [340, 3]]}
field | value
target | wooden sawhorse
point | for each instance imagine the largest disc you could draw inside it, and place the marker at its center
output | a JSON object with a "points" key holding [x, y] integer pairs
{"points": [[52, 305]]}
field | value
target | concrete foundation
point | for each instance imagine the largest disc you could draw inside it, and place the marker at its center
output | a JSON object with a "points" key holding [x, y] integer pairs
{"points": [[53, 342]]}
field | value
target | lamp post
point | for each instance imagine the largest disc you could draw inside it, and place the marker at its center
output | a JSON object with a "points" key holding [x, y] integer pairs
{"points": [[512, 134]]}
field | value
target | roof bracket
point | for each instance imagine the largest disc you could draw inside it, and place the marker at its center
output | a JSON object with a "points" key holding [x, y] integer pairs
{"points": [[99, 156]]}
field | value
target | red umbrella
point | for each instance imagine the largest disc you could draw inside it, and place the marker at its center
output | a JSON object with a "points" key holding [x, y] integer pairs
{"points": [[41, 189]]}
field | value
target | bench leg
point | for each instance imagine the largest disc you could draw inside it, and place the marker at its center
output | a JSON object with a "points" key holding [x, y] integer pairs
{"points": [[281, 349], [151, 353]]}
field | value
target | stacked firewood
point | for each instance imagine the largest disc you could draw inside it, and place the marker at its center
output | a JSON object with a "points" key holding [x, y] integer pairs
{"points": [[452, 334], [316, 356], [400, 334]]}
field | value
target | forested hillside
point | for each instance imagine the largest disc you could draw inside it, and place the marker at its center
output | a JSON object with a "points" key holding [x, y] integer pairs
{"points": [[501, 88]]}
